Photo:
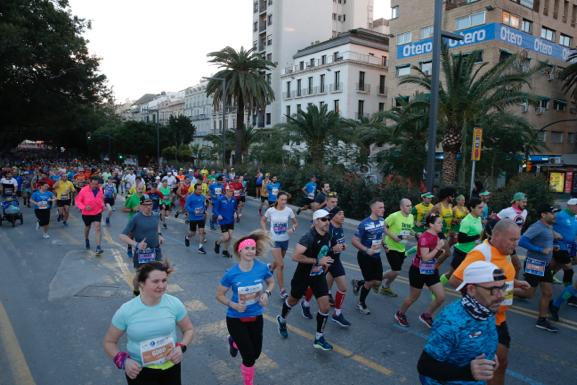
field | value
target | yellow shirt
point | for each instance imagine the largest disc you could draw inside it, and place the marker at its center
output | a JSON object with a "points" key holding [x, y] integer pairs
{"points": [[446, 213], [63, 190]]}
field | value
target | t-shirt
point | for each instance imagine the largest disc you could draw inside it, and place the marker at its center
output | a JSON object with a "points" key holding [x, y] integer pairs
{"points": [[420, 212], [143, 323], [310, 189], [279, 222], [109, 190], [459, 213], [429, 241], [273, 190], [399, 225], [165, 191], [144, 226], [43, 199], [318, 246], [469, 226], [196, 207], [249, 286], [566, 225], [487, 252], [321, 198], [63, 190], [513, 213], [132, 203], [337, 235], [215, 190], [370, 232], [540, 235]]}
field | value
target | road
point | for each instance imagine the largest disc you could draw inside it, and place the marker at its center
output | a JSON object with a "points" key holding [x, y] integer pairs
{"points": [[57, 299]]}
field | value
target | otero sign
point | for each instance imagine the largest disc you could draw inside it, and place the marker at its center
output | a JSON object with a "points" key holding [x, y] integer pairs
{"points": [[490, 32]]}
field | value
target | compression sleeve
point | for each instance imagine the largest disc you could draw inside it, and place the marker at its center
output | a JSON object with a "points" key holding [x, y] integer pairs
{"points": [[464, 238], [443, 371]]}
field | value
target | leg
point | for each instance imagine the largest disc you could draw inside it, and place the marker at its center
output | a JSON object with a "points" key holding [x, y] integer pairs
{"points": [[546, 295], [278, 266], [389, 277], [86, 231], [98, 233], [439, 293]]}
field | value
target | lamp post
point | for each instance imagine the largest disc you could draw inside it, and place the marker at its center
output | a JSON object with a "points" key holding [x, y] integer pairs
{"points": [[223, 98]]}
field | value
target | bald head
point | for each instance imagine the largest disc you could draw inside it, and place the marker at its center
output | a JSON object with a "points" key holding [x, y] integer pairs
{"points": [[405, 205], [505, 236]]}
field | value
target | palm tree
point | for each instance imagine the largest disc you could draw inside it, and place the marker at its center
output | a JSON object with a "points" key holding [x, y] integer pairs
{"points": [[365, 132], [569, 76], [469, 91], [246, 86], [315, 126]]}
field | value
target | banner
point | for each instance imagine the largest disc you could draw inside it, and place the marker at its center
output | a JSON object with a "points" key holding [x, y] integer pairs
{"points": [[477, 144]]}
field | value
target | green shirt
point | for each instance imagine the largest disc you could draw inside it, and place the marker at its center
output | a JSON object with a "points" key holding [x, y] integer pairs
{"points": [[469, 226], [398, 224], [132, 203]]}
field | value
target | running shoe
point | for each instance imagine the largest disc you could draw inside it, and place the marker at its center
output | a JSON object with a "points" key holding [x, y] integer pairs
{"points": [[87, 243], [544, 324], [186, 242], [363, 309], [107, 221], [99, 250], [283, 294], [176, 214], [554, 311], [388, 292], [45, 236], [401, 319], [282, 330], [201, 250], [306, 310], [572, 301], [340, 320], [65, 223], [231, 349], [226, 254], [356, 286], [320, 343], [426, 319], [216, 247]]}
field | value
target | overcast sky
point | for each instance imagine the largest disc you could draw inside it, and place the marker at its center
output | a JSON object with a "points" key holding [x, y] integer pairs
{"points": [[149, 46]]}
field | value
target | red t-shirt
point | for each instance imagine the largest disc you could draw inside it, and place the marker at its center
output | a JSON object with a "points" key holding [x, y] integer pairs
{"points": [[427, 240], [236, 188]]}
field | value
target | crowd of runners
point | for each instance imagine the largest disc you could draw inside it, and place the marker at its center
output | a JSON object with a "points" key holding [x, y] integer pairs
{"points": [[478, 241]]}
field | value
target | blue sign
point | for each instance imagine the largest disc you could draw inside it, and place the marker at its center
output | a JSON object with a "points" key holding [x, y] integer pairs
{"points": [[490, 32]]}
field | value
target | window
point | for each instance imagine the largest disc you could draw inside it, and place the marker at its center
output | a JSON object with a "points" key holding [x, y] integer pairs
{"points": [[269, 20], [384, 61], [269, 40], [255, 26], [395, 12], [426, 32], [344, 17], [336, 105], [301, 65], [322, 83], [339, 17], [427, 67], [548, 34], [511, 20], [299, 89], [382, 84], [268, 78], [543, 103], [470, 20], [288, 88], [321, 104], [336, 56], [504, 55], [334, 16], [527, 26], [362, 80], [403, 70], [254, 44], [525, 3], [572, 137], [361, 109], [337, 80], [381, 107], [288, 111], [268, 118], [559, 105], [404, 38], [312, 62], [269, 56], [324, 59], [556, 137], [310, 85], [541, 136], [299, 109], [565, 40]]}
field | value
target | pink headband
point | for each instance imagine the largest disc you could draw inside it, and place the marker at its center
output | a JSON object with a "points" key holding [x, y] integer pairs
{"points": [[246, 243]]}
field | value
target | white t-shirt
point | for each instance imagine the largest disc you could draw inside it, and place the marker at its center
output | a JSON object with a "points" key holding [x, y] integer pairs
{"points": [[11, 181], [171, 180], [510, 213], [279, 222]]}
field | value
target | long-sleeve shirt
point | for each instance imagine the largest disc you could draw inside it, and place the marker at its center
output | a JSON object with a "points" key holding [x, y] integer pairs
{"points": [[226, 208], [86, 197]]}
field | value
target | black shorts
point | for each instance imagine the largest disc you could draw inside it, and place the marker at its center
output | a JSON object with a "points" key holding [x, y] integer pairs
{"points": [[242, 199], [534, 280], [337, 269], [562, 257], [88, 219], [109, 201], [458, 258], [395, 259], [504, 336], [43, 216], [227, 227], [418, 280], [301, 282], [371, 267], [263, 199], [62, 202], [192, 225]]}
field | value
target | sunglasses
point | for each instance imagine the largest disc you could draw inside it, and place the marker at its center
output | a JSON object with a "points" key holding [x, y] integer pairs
{"points": [[494, 289], [325, 219]]}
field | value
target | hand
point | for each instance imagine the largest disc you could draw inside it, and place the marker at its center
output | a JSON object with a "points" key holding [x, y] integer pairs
{"points": [[547, 250], [142, 245], [370, 251], [239, 307], [88, 208], [175, 356], [219, 218], [161, 239], [132, 368], [482, 369], [326, 261], [522, 285], [263, 300], [339, 247], [557, 235]]}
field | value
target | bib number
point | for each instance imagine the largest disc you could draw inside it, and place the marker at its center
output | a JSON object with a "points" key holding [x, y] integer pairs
{"points": [[145, 256], [275, 191], [236, 193], [316, 271], [64, 196], [508, 300], [535, 267], [198, 210], [280, 228], [217, 191], [155, 350], [427, 267], [311, 196], [42, 205], [249, 295]]}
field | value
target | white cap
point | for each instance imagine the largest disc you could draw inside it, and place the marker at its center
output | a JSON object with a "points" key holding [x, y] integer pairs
{"points": [[572, 202], [478, 272], [320, 214]]}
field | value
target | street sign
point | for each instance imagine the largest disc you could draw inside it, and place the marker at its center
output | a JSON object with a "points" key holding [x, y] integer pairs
{"points": [[477, 144]]}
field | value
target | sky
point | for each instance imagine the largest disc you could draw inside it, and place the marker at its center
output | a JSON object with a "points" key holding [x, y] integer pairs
{"points": [[149, 46]]}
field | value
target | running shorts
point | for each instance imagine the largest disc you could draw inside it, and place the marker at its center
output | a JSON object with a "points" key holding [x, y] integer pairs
{"points": [[88, 219], [371, 267], [227, 227], [192, 225], [62, 202], [300, 283], [458, 258], [43, 216], [395, 259], [418, 280], [336, 268]]}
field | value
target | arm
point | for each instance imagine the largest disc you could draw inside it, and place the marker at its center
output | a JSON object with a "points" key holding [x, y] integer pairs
{"points": [[427, 255], [295, 224], [357, 244], [221, 297], [263, 222], [131, 367], [464, 238], [300, 257], [525, 243], [443, 371]]}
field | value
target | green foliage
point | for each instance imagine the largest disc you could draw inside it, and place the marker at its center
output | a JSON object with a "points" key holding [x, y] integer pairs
{"points": [[180, 130], [569, 76]]}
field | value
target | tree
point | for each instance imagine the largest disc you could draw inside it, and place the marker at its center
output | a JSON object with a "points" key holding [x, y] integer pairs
{"points": [[181, 131], [569, 76], [246, 87], [365, 132], [470, 91], [49, 84]]}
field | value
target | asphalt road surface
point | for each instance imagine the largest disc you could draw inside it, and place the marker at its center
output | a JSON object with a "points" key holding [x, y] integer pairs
{"points": [[57, 299]]}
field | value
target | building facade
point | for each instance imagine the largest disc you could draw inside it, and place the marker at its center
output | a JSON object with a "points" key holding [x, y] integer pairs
{"points": [[539, 30]]}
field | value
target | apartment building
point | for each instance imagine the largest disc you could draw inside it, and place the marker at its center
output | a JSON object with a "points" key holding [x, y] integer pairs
{"points": [[539, 30], [347, 72], [281, 27]]}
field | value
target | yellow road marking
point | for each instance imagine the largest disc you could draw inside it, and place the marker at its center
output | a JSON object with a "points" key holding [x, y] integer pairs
{"points": [[18, 366]]}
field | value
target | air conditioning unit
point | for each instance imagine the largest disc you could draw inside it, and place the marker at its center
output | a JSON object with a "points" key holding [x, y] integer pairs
{"points": [[540, 110], [524, 107]]}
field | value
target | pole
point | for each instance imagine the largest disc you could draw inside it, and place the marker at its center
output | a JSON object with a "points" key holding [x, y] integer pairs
{"points": [[223, 80], [158, 140], [473, 169], [433, 111]]}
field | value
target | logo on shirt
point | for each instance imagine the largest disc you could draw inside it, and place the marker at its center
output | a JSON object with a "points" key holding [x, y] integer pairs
{"points": [[476, 334]]}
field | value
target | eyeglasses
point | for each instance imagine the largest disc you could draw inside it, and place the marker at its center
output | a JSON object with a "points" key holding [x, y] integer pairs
{"points": [[494, 289], [325, 219]]}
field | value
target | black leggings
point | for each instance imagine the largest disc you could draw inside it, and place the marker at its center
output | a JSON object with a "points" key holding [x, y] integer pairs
{"points": [[149, 376], [248, 338]]}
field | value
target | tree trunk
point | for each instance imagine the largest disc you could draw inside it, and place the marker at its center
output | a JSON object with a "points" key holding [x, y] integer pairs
{"points": [[449, 170], [452, 141]]}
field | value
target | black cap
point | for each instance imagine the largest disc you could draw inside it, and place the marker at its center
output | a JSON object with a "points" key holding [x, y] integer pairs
{"points": [[145, 198], [548, 209], [334, 211]]}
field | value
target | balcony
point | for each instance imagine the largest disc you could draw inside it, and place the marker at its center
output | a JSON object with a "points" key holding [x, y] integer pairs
{"points": [[336, 87], [262, 6], [363, 88], [288, 95], [348, 56], [262, 27]]}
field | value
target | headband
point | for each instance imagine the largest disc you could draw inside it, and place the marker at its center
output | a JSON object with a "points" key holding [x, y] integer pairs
{"points": [[246, 243]]}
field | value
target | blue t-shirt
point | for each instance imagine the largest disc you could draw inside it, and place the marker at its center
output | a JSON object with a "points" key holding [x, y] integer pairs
{"points": [[538, 236], [566, 225], [43, 199], [109, 190], [371, 232], [225, 208], [259, 180], [215, 190], [196, 207], [457, 338], [485, 212], [311, 189], [142, 323], [249, 285], [273, 190], [337, 235]]}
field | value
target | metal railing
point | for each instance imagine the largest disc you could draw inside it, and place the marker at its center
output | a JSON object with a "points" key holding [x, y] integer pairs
{"points": [[363, 88], [350, 56]]}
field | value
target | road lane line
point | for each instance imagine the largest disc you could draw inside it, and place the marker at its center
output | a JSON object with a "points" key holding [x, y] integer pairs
{"points": [[18, 366]]}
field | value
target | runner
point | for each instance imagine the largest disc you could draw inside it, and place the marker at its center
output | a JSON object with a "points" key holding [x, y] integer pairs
{"points": [[64, 190], [216, 189], [90, 201], [129, 181], [518, 214], [460, 211], [196, 208], [43, 200], [309, 190], [283, 224], [26, 188], [258, 183], [273, 188], [321, 198], [237, 189], [503, 242], [485, 196], [264, 193], [110, 192], [424, 271], [225, 211], [149, 322], [445, 209], [463, 342], [313, 262], [399, 230], [251, 283], [539, 267], [368, 240], [8, 184], [421, 211], [166, 202], [182, 193]]}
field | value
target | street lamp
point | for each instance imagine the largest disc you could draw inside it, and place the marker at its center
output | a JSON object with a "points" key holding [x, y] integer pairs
{"points": [[223, 97]]}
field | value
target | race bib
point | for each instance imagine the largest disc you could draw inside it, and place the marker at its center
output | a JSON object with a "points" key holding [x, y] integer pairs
{"points": [[64, 196], [316, 270], [236, 193], [217, 191], [275, 191], [249, 295], [198, 210], [311, 196], [43, 205], [508, 300], [279, 228], [375, 243], [427, 267], [535, 266], [155, 350], [145, 256]]}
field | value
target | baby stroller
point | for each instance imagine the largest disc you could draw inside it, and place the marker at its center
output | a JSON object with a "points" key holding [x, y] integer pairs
{"points": [[11, 211]]}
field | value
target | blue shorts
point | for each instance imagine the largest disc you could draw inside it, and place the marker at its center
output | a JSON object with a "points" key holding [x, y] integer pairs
{"points": [[281, 245]]}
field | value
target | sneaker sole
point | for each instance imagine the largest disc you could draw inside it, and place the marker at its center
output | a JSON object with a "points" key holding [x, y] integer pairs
{"points": [[364, 311], [425, 323], [546, 329], [400, 323], [317, 346], [339, 323], [279, 331]]}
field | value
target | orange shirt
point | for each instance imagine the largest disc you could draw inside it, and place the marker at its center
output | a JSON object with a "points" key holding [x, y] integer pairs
{"points": [[486, 252]]}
